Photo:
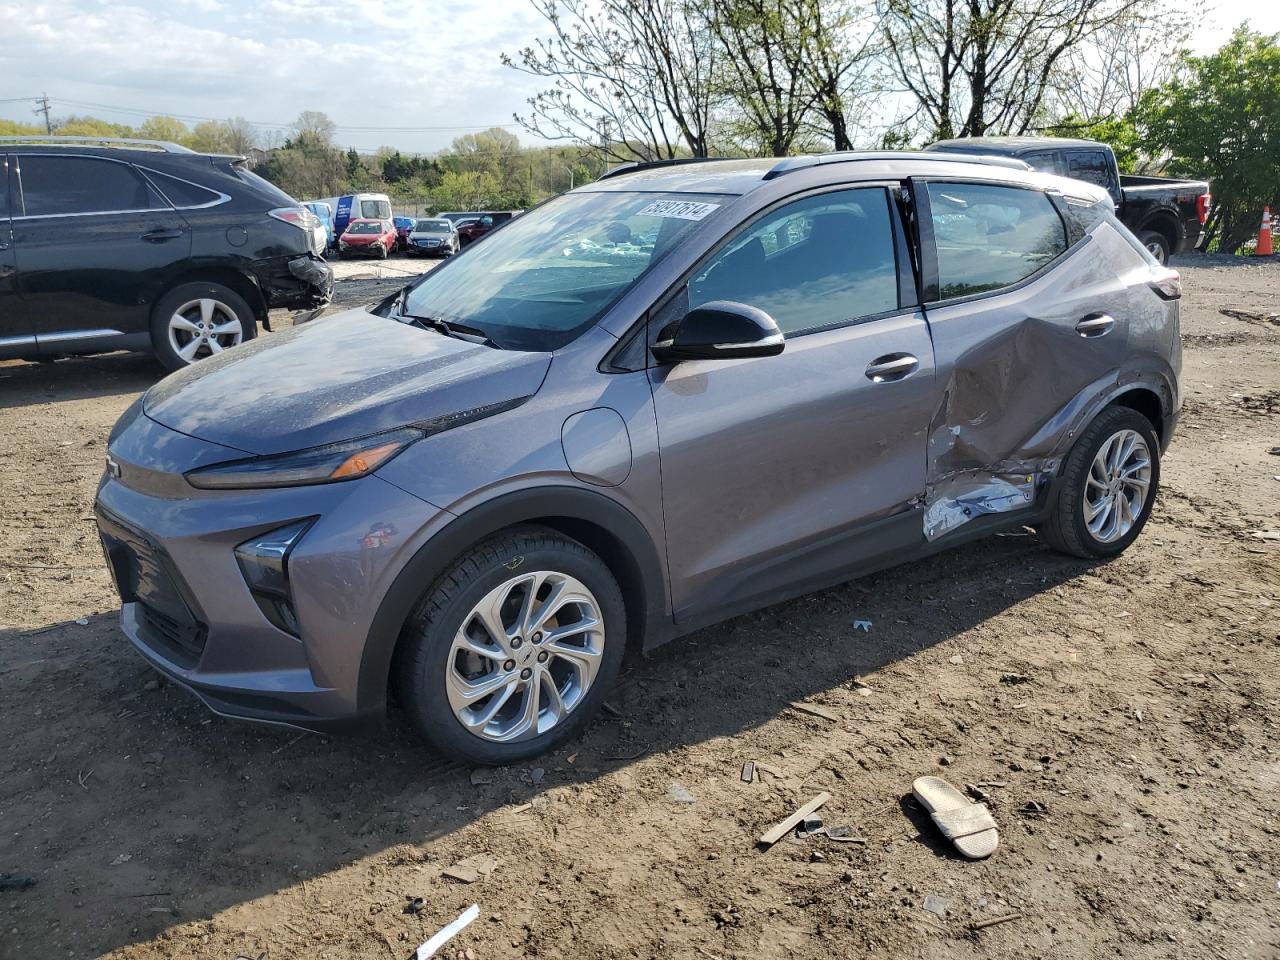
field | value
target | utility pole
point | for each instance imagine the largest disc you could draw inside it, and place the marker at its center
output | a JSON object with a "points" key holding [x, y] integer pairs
{"points": [[43, 100]]}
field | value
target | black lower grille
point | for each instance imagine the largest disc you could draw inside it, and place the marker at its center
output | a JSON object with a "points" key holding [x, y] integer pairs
{"points": [[145, 575]]}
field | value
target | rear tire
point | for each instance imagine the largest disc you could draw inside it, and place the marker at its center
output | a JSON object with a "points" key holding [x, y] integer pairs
{"points": [[450, 653], [176, 319], [1157, 245], [1077, 525]]}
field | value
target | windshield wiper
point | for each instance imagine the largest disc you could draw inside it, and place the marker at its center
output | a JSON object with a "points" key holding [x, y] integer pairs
{"points": [[459, 331]]}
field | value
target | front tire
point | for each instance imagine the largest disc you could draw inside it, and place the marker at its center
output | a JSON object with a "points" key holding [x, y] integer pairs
{"points": [[197, 320], [1108, 485], [510, 652]]}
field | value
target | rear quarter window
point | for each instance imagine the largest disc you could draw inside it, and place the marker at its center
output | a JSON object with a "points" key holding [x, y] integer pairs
{"points": [[183, 193], [988, 236]]}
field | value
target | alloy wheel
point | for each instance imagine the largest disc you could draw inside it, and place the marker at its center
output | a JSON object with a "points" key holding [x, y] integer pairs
{"points": [[525, 656], [203, 327], [1117, 486], [1156, 249]]}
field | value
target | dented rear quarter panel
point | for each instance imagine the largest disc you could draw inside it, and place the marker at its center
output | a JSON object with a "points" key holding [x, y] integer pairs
{"points": [[1017, 382]]}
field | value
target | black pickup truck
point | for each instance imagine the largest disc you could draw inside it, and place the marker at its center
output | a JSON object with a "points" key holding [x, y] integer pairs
{"points": [[1166, 215]]}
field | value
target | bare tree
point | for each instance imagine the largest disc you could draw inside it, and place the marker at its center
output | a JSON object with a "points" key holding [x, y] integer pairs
{"points": [[977, 67], [1105, 77], [840, 66], [766, 71], [632, 77], [241, 135], [315, 126]]}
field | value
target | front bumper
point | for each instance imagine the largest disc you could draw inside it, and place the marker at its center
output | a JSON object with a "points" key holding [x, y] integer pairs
{"points": [[368, 249], [187, 609]]}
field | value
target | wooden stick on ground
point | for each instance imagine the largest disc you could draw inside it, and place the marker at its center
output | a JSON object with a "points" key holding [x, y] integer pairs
{"points": [[772, 836], [983, 924]]}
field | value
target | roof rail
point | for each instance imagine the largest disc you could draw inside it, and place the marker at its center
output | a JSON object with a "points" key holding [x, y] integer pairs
{"points": [[637, 166], [36, 139], [850, 156]]}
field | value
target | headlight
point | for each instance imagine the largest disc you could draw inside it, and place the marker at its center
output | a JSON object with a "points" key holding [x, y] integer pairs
{"points": [[331, 463]]}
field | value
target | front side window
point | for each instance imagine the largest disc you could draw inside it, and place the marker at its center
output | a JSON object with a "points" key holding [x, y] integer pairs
{"points": [[989, 236], [1047, 161], [53, 186], [818, 262], [375, 209], [544, 278]]}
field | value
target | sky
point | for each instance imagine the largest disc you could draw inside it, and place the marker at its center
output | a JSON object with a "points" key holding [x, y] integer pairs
{"points": [[409, 73]]}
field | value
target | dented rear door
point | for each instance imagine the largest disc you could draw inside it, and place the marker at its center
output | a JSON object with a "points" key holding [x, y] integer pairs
{"points": [[1029, 325]]}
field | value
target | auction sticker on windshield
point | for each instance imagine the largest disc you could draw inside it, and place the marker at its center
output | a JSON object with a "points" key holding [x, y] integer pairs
{"points": [[679, 209]]}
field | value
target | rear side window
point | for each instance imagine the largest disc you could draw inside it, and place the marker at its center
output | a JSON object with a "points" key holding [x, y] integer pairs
{"points": [[58, 186], [989, 236], [1090, 166], [4, 187], [183, 193], [818, 262]]}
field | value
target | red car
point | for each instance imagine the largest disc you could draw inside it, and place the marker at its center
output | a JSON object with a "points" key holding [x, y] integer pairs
{"points": [[374, 238]]}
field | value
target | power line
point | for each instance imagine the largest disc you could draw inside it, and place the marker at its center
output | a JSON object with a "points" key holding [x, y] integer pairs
{"points": [[268, 124]]}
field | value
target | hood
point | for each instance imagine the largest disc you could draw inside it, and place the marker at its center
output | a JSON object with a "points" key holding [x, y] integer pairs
{"points": [[343, 376], [356, 239], [429, 235]]}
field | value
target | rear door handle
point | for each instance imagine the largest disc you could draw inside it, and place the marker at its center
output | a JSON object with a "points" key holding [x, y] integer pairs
{"points": [[892, 366], [1095, 325], [161, 234]]}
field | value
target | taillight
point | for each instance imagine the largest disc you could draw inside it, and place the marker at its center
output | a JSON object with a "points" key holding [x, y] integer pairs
{"points": [[296, 215], [1202, 207], [1167, 286]]}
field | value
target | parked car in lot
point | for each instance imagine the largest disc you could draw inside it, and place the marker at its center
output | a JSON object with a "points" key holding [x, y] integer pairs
{"points": [[679, 393], [404, 226], [324, 213], [135, 245], [472, 228], [370, 238], [358, 206], [1167, 215], [434, 238]]}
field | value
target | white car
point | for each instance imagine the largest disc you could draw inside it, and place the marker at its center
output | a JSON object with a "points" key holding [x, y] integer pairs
{"points": [[434, 237]]}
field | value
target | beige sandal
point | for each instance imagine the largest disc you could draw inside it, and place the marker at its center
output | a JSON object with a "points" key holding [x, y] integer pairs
{"points": [[969, 826]]}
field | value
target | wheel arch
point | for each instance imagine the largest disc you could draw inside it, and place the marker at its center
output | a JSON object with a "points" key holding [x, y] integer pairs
{"points": [[603, 525], [1165, 223], [1146, 401], [241, 283]]}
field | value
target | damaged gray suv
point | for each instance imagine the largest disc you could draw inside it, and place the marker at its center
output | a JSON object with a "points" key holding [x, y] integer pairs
{"points": [[679, 393]]}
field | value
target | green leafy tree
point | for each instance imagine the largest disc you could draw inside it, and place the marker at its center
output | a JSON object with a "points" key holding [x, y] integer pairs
{"points": [[164, 128], [90, 127], [1220, 121]]}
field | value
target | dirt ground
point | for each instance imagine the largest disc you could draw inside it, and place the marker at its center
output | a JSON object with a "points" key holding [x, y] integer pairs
{"points": [[1122, 719]]}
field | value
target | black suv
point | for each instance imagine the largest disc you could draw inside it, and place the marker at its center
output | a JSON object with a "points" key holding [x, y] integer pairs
{"points": [[140, 245]]}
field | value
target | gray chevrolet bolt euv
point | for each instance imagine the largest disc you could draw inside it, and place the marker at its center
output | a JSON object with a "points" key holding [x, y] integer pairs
{"points": [[677, 394]]}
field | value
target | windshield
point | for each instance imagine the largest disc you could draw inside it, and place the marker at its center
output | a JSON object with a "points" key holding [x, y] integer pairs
{"points": [[365, 228], [375, 209], [546, 276], [433, 226]]}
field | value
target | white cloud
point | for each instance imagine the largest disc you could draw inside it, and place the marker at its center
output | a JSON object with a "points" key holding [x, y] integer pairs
{"points": [[367, 63]]}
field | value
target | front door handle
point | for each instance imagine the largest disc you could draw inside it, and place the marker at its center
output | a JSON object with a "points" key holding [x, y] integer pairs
{"points": [[1095, 325], [161, 234], [892, 366]]}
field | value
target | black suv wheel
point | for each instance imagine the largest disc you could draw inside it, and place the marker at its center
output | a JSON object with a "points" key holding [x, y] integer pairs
{"points": [[197, 320]]}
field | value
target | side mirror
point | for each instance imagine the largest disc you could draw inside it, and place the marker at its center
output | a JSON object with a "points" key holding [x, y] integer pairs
{"points": [[721, 329]]}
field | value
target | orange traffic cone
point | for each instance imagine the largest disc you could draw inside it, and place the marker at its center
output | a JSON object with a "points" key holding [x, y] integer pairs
{"points": [[1264, 234]]}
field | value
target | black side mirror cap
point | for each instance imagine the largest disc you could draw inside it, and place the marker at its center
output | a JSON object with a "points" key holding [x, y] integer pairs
{"points": [[721, 330]]}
